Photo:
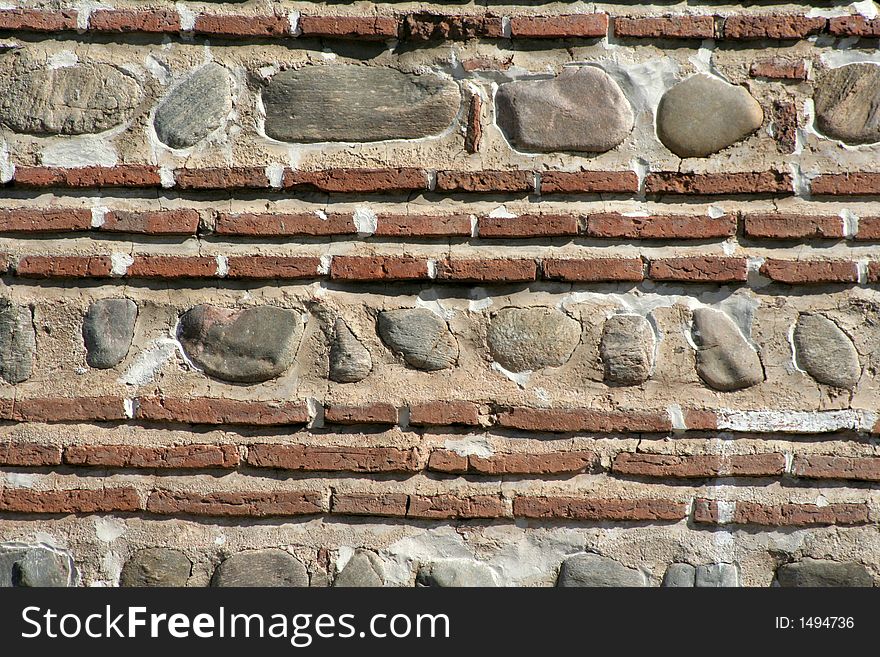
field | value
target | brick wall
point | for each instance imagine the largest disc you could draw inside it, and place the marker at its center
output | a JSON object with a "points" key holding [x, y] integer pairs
{"points": [[427, 294]]}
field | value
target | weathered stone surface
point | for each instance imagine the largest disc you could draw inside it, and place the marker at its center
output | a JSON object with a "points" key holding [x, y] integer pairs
{"points": [[364, 569], [704, 114], [595, 570], [582, 109], [846, 101], [156, 567], [357, 103], [717, 575], [421, 337], [817, 572], [195, 107], [725, 360], [350, 361], [70, 100], [18, 342], [33, 567], [679, 575], [269, 567], [455, 573], [825, 352], [524, 339], [250, 345], [108, 329], [627, 349]]}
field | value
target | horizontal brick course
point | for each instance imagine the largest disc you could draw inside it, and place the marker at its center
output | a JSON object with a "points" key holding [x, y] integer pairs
{"points": [[156, 21], [594, 270], [358, 181], [846, 184], [284, 225], [551, 463], [566, 420], [133, 456], [221, 178], [250, 26], [594, 26], [64, 267], [170, 267], [369, 504], [428, 27], [589, 182], [419, 225], [273, 267], [44, 220], [68, 409], [854, 25], [699, 466], [779, 515], [699, 269], [379, 268], [205, 410], [710, 184], [36, 20], [485, 181], [442, 413], [817, 466], [489, 270], [455, 507], [160, 222], [121, 175], [797, 272], [666, 27], [668, 227], [528, 225], [375, 413], [29, 454], [772, 26], [779, 68], [313, 458], [239, 504], [345, 27], [102, 500], [597, 509], [792, 226]]}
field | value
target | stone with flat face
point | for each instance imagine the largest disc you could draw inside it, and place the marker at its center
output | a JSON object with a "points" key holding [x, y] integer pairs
{"points": [[825, 352], [818, 572], [269, 567], [847, 103], [350, 361], [195, 107], [679, 575], [33, 567], [526, 339], [154, 567], [364, 569], [108, 329], [593, 570], [717, 575], [627, 349], [18, 342], [421, 337], [725, 359], [455, 573]]}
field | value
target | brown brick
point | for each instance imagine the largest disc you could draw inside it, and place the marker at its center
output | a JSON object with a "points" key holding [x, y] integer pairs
{"points": [[359, 181], [370, 504], [550, 463], [161, 222], [379, 268], [132, 456], [443, 413], [444, 460], [102, 500], [155, 21], [854, 25], [29, 454], [707, 184], [121, 175], [664, 227], [846, 184], [772, 26], [585, 26], [37, 21], [44, 220], [239, 504], [776, 226], [700, 419], [817, 466], [597, 509], [157, 266], [699, 466], [428, 27], [69, 409], [487, 270], [785, 125], [420, 225], [474, 133], [869, 229], [779, 68], [314, 458], [485, 181], [796, 272], [695, 269], [529, 225], [589, 182], [779, 515], [565, 420], [273, 267], [221, 178], [666, 27], [594, 270], [375, 413], [247, 26], [283, 225], [453, 506], [486, 64], [64, 267], [376, 28], [207, 410]]}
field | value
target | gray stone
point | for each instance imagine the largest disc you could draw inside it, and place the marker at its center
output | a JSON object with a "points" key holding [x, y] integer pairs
{"points": [[725, 359], [627, 349], [526, 339], [251, 345], [816, 572], [594, 570], [18, 342], [825, 352], [421, 337], [679, 575], [357, 104], [455, 573], [33, 567], [364, 569], [582, 109], [70, 100], [846, 102], [717, 575], [350, 361], [156, 567], [195, 107], [108, 329], [269, 567], [704, 114]]}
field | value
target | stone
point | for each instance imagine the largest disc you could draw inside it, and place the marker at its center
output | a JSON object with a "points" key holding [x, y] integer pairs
{"points": [[717, 575], [846, 101], [527, 339], [591, 570], [357, 104], [156, 567], [679, 575], [195, 107], [364, 569], [247, 346], [627, 349], [350, 361], [455, 573], [18, 342], [270, 567], [825, 352], [108, 329], [582, 109], [34, 567], [704, 114], [817, 572], [725, 359], [69, 100], [421, 337]]}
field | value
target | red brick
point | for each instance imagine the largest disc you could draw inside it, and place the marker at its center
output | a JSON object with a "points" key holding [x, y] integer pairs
{"points": [[155, 21], [283, 225], [700, 419], [772, 26], [597, 509], [419, 225], [699, 466], [44, 220], [792, 226], [486, 64], [443, 460], [666, 27], [37, 21], [29, 454], [314, 458], [589, 182], [594, 270], [206, 410], [487, 270], [64, 267], [243, 504], [796, 272], [785, 125], [854, 26], [69, 409], [102, 500], [869, 229], [587, 26], [221, 178], [529, 225], [780, 515], [664, 227], [379, 268], [160, 222], [846, 184], [249, 26], [376, 28], [474, 134], [708, 184], [779, 68], [485, 181], [358, 181], [697, 269], [816, 466], [121, 175], [427, 27], [453, 506], [182, 457], [874, 272], [157, 266], [273, 267], [369, 504], [550, 463], [375, 413], [566, 420], [443, 413]]}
